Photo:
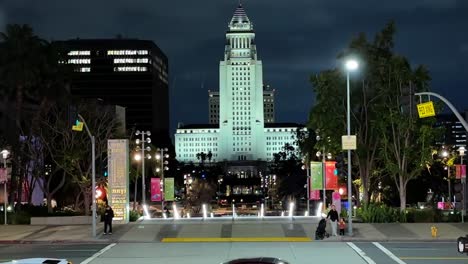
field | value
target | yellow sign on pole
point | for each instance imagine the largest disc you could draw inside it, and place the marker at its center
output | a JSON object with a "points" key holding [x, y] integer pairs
{"points": [[426, 109], [78, 126]]}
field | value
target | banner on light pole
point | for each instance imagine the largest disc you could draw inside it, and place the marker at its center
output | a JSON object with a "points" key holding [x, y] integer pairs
{"points": [[316, 175], [155, 189], [169, 189]]}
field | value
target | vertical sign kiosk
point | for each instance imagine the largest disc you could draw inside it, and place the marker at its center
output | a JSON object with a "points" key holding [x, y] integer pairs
{"points": [[118, 182]]}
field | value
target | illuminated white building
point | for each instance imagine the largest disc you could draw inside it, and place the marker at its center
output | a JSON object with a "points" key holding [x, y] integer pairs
{"points": [[244, 130]]}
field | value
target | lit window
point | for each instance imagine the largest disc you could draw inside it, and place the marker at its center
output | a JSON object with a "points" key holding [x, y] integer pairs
{"points": [[79, 52], [79, 61], [130, 69]]}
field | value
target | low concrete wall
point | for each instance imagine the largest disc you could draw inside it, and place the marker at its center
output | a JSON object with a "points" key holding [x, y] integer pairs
{"points": [[62, 220]]}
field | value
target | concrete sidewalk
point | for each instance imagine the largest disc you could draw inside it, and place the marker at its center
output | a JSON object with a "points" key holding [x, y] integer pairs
{"points": [[155, 231]]}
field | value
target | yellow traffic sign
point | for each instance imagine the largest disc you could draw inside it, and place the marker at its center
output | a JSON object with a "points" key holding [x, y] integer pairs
{"points": [[78, 126], [426, 109]]}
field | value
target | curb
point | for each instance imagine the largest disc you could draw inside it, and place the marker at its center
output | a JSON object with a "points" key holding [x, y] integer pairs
{"points": [[45, 242]]}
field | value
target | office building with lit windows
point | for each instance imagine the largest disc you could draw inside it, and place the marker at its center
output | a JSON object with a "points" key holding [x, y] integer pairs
{"points": [[268, 105], [242, 134], [241, 114], [127, 72]]}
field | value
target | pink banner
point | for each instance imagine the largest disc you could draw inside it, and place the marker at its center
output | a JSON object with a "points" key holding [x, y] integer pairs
{"points": [[313, 194], [155, 190], [331, 179]]}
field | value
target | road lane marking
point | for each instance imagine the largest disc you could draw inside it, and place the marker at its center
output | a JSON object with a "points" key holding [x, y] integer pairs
{"points": [[234, 239], [75, 250], [361, 253], [388, 253], [434, 258], [102, 251]]}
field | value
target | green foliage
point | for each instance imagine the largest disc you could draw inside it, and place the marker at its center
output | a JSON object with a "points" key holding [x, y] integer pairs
{"points": [[426, 215], [380, 213], [134, 216]]}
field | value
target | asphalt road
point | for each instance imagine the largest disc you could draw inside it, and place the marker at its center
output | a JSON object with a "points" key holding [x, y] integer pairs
{"points": [[415, 252], [73, 252], [198, 253]]}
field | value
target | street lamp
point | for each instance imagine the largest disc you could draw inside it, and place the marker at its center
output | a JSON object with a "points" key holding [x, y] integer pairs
{"points": [[163, 167], [5, 154], [142, 158], [461, 151], [350, 65]]}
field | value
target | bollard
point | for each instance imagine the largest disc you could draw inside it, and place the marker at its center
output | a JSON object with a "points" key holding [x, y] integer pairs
{"points": [[434, 231]]}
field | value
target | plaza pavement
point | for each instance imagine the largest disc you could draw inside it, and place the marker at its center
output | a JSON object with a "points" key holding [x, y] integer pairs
{"points": [[227, 230]]}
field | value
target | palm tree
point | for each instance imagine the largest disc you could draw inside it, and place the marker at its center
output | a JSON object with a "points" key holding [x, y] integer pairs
{"points": [[22, 57]]}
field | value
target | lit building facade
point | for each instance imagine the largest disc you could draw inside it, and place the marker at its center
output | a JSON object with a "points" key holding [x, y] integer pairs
{"points": [[127, 72], [242, 113], [268, 106]]}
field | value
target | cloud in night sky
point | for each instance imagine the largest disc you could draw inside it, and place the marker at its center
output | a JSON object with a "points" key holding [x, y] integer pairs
{"points": [[294, 39]]}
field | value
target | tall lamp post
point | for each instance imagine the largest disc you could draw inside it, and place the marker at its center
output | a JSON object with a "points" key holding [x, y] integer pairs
{"points": [[163, 167], [351, 65], [143, 141], [461, 151], [5, 154]]}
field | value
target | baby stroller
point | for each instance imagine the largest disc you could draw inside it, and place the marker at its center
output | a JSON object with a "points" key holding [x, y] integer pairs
{"points": [[320, 233]]}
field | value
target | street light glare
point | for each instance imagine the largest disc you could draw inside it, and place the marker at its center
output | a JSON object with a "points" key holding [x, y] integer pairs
{"points": [[351, 65], [137, 157]]}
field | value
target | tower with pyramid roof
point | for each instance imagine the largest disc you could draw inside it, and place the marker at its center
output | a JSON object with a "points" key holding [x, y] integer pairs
{"points": [[241, 116]]}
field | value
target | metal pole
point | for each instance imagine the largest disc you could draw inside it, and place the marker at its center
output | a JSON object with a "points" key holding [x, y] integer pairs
{"points": [[463, 180], [324, 180], [5, 197], [308, 188], [93, 176], [162, 179], [449, 185], [93, 184], [348, 115], [143, 187]]}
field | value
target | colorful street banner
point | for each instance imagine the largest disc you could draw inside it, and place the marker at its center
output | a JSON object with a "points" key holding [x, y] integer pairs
{"points": [[169, 189], [313, 194], [331, 180], [155, 190], [457, 171], [316, 174]]}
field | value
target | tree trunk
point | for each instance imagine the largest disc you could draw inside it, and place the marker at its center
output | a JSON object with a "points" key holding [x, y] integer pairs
{"points": [[135, 194], [402, 190], [49, 204], [86, 202]]}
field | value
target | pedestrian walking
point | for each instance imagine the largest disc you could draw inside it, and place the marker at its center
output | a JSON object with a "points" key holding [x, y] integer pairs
{"points": [[342, 225], [108, 215], [333, 217]]}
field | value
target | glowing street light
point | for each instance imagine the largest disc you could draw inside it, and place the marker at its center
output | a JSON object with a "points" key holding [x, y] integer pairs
{"points": [[350, 65]]}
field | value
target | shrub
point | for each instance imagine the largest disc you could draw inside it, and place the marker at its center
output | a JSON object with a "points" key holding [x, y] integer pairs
{"points": [[134, 215], [19, 218], [380, 213]]}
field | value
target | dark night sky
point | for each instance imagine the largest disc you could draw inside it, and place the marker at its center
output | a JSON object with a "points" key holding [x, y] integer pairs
{"points": [[294, 39]]}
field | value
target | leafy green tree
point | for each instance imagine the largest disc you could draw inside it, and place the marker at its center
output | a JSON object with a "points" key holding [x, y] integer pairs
{"points": [[406, 139], [373, 91], [32, 80], [287, 166]]}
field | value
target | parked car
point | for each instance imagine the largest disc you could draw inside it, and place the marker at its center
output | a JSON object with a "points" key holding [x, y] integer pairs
{"points": [[262, 260], [38, 261]]}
